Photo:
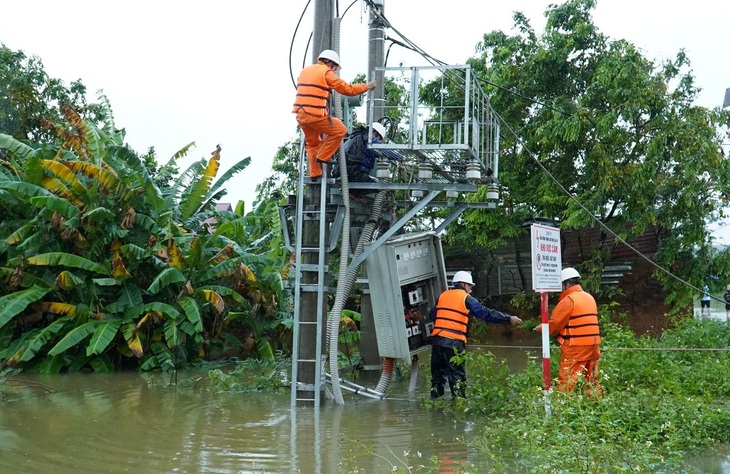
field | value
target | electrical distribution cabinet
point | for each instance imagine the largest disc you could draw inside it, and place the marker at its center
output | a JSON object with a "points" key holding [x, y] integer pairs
{"points": [[406, 275]]}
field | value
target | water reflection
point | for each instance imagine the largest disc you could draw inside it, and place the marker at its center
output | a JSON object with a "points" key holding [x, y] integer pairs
{"points": [[132, 423]]}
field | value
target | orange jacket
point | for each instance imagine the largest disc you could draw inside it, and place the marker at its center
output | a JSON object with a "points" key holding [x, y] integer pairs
{"points": [[575, 318], [452, 316], [313, 89]]}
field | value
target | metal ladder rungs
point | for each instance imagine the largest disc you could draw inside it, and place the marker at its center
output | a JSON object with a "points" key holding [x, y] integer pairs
{"points": [[312, 267], [319, 180], [309, 214]]}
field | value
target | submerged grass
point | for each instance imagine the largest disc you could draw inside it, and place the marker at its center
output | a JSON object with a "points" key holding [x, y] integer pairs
{"points": [[252, 375], [659, 406]]}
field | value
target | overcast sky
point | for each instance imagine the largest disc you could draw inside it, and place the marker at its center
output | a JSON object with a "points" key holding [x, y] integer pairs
{"points": [[217, 72]]}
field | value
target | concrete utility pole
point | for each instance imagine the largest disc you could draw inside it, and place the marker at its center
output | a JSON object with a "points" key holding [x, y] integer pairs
{"points": [[376, 58], [324, 18], [322, 39], [376, 40]]}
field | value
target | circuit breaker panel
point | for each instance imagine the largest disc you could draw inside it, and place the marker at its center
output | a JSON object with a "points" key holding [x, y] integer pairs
{"points": [[406, 276]]}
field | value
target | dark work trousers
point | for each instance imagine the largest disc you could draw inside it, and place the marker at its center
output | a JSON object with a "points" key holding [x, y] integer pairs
{"points": [[443, 369]]}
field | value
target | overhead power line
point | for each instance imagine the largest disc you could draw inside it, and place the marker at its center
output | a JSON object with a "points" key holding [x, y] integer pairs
{"points": [[433, 61]]}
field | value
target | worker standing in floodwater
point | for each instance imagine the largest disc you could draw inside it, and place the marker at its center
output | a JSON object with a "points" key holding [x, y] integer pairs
{"points": [[312, 106], [575, 321], [448, 337]]}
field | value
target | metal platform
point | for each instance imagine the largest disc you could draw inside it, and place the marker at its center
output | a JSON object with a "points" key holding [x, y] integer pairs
{"points": [[445, 132]]}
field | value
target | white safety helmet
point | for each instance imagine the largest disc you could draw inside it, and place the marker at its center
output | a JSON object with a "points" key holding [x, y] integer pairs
{"points": [[462, 277], [569, 273], [378, 127], [330, 55]]}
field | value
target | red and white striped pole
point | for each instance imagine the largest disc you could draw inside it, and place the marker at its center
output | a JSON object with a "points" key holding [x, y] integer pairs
{"points": [[545, 350]]}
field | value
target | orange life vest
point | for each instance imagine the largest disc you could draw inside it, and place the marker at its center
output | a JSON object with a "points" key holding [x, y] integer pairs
{"points": [[582, 327], [452, 316], [313, 93]]}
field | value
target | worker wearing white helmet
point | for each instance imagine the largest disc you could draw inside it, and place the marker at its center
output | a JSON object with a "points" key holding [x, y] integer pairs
{"points": [[451, 318], [360, 157], [379, 131], [312, 105], [575, 321]]}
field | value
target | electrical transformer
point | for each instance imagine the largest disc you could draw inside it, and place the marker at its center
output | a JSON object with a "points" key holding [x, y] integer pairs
{"points": [[406, 275]]}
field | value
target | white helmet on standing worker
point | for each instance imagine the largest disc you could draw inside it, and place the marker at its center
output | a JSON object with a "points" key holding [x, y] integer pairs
{"points": [[380, 129], [462, 277], [569, 274], [330, 55]]}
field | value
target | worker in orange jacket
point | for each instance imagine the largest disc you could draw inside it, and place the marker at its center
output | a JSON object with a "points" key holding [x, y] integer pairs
{"points": [[448, 337], [312, 106], [575, 321]]}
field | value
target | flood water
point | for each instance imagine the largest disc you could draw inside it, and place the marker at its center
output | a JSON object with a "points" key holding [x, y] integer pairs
{"points": [[116, 423], [129, 422]]}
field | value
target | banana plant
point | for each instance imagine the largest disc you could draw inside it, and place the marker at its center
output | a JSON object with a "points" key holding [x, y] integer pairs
{"points": [[102, 269]]}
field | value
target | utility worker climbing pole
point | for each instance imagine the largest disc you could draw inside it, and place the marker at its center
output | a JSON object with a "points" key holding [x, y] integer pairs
{"points": [[312, 106], [575, 320], [448, 338]]}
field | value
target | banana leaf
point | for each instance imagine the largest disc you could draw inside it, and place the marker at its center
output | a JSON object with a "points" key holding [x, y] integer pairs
{"points": [[65, 174], [36, 341], [62, 206], [225, 291], [104, 334], [74, 337], [192, 312], [66, 260], [172, 333], [162, 308], [15, 146], [20, 234], [22, 189], [195, 195], [240, 166], [167, 277], [13, 304]]}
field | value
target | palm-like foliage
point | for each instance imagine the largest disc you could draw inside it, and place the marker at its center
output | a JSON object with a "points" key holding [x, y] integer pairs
{"points": [[100, 268]]}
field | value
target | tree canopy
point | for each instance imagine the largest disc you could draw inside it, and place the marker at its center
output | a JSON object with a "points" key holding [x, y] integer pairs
{"points": [[29, 96], [592, 129]]}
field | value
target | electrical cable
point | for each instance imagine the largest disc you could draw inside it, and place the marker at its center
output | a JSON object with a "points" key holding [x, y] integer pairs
{"points": [[387, 54], [612, 348], [431, 59], [348, 8], [413, 47], [517, 94], [304, 55], [333, 318], [309, 41], [592, 216], [291, 46]]}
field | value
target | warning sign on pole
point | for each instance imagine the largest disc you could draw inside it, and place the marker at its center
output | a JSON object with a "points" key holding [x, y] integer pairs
{"points": [[546, 266], [546, 262]]}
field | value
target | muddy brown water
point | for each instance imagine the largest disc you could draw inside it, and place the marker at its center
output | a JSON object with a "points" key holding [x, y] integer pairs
{"points": [[138, 423]]}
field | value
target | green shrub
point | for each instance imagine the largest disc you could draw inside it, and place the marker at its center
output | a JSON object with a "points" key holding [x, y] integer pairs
{"points": [[659, 406]]}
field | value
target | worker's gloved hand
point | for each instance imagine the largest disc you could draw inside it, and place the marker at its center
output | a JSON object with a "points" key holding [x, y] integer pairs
{"points": [[373, 179]]}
